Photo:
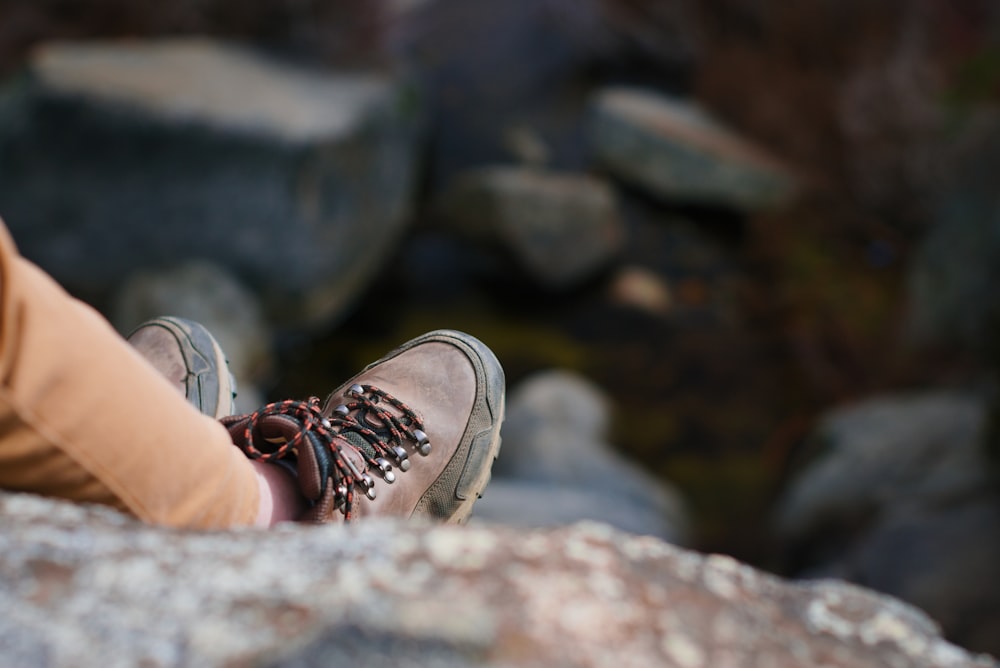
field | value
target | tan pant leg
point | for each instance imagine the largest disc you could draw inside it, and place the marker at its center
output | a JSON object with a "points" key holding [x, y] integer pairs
{"points": [[86, 418]]}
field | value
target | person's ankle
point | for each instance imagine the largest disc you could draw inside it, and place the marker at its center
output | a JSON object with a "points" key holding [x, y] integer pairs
{"points": [[280, 499]]}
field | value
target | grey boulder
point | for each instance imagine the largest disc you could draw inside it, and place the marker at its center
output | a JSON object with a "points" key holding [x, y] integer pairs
{"points": [[560, 228], [140, 155], [677, 151]]}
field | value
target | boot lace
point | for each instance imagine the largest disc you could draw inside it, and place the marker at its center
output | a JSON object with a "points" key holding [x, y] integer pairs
{"points": [[362, 423]]}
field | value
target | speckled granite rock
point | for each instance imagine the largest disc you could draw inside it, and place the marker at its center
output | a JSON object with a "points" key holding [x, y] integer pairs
{"points": [[88, 587], [297, 181]]}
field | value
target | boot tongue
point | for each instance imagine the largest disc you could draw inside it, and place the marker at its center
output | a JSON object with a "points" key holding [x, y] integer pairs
{"points": [[366, 418], [359, 442]]}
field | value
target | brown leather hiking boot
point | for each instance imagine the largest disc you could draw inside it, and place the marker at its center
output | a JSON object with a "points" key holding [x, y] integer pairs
{"points": [[187, 355], [414, 434]]}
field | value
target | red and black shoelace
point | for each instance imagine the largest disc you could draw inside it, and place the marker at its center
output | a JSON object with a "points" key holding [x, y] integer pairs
{"points": [[363, 423]]}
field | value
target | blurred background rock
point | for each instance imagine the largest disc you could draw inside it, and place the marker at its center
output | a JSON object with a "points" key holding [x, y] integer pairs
{"points": [[769, 252]]}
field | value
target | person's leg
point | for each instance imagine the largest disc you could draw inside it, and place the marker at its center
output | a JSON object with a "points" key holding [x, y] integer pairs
{"points": [[446, 382], [193, 362], [86, 418]]}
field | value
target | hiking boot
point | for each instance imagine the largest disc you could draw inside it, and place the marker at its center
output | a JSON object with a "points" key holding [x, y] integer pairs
{"points": [[414, 434], [187, 355]]}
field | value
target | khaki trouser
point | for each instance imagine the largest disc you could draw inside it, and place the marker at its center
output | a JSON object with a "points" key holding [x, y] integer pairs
{"points": [[86, 418]]}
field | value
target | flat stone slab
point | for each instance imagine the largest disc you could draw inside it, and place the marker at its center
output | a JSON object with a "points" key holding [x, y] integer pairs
{"points": [[140, 155], [677, 151], [199, 80]]}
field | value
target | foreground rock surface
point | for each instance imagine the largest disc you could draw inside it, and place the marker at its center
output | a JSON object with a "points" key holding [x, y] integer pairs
{"points": [[89, 587], [119, 157]]}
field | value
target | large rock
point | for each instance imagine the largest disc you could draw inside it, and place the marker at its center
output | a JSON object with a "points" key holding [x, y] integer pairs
{"points": [[117, 157], [902, 500], [559, 227], [678, 152], [87, 587], [558, 467]]}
